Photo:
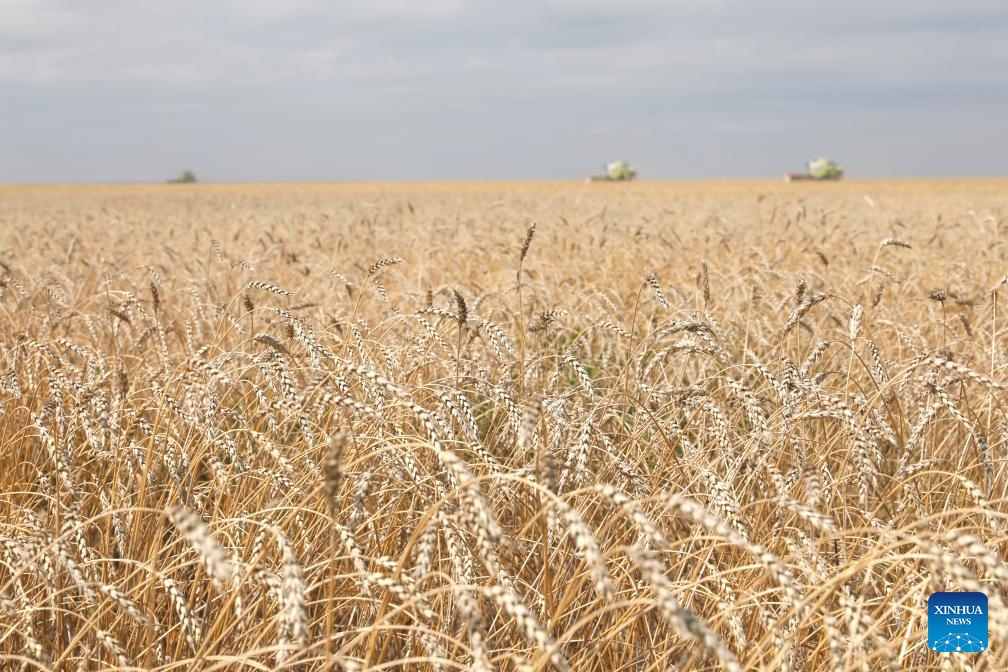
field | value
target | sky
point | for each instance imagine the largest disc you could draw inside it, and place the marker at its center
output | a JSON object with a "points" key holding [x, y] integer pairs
{"points": [[252, 90]]}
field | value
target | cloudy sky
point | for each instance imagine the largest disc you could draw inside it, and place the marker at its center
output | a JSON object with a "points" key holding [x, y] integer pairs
{"points": [[137, 90]]}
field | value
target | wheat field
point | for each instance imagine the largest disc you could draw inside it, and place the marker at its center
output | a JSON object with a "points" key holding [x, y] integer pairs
{"points": [[492, 426]]}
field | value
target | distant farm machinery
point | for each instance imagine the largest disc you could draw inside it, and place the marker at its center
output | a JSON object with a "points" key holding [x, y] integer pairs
{"points": [[617, 171], [819, 170]]}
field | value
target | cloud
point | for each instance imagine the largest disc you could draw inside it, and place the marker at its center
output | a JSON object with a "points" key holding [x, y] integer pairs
{"points": [[734, 75]]}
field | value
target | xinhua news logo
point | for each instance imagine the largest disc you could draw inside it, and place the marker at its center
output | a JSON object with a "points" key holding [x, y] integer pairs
{"points": [[957, 622]]}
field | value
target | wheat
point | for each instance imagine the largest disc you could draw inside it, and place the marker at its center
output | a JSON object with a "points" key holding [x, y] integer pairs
{"points": [[195, 532], [112, 645], [682, 619], [529, 233], [804, 307], [333, 469], [653, 284], [293, 615], [533, 470], [268, 287], [191, 624], [382, 263], [512, 605]]}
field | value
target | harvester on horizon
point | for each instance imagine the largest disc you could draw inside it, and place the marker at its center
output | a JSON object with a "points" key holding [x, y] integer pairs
{"points": [[819, 170], [617, 171]]}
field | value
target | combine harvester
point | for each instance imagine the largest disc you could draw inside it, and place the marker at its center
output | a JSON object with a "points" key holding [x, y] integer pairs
{"points": [[819, 170], [617, 171]]}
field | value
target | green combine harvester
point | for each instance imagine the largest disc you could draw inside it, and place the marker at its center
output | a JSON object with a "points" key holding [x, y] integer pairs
{"points": [[617, 171], [819, 170]]}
